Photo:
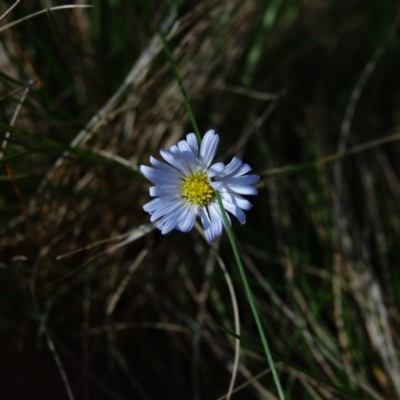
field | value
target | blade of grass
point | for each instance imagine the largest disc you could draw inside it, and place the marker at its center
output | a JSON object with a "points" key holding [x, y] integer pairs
{"points": [[48, 144], [180, 84]]}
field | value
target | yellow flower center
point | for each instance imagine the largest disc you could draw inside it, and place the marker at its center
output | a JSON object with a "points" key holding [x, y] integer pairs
{"points": [[196, 189]]}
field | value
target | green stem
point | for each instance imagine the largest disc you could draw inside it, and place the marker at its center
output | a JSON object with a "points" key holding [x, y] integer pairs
{"points": [[180, 84], [250, 298]]}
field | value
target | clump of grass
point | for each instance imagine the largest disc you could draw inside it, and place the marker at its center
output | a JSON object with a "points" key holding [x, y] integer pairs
{"points": [[304, 92]]}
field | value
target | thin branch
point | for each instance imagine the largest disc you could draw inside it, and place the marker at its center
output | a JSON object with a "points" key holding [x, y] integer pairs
{"points": [[50, 343], [248, 92], [9, 10], [13, 119], [64, 7]]}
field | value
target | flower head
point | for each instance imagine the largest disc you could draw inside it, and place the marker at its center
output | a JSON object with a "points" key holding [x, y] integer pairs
{"points": [[185, 187]]}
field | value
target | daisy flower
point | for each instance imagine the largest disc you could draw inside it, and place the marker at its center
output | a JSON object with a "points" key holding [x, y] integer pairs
{"points": [[185, 187]]}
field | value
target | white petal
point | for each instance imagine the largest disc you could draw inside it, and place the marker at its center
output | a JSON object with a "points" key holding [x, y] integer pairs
{"points": [[217, 210], [189, 155], [236, 200], [174, 160], [167, 221], [205, 221], [232, 167], [208, 148], [242, 180], [193, 143], [152, 205], [180, 161], [216, 219], [187, 219], [215, 169], [168, 208], [158, 176], [244, 169], [164, 167], [170, 221], [167, 224], [164, 190], [216, 185], [235, 210], [155, 204], [163, 212], [241, 189]]}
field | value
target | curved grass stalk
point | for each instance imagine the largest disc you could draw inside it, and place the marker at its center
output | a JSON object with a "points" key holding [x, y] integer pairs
{"points": [[235, 308]]}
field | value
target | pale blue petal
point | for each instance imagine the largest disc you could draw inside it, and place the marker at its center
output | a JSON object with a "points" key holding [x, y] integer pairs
{"points": [[164, 167], [159, 176], [174, 160], [166, 220], [193, 143], [167, 208], [152, 205], [155, 204], [180, 161], [185, 158], [233, 166], [181, 216], [187, 219], [217, 211], [242, 180], [235, 210], [236, 200], [216, 218], [215, 169], [243, 170], [241, 189], [205, 221], [165, 190], [208, 148], [166, 225], [190, 157], [216, 185]]}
